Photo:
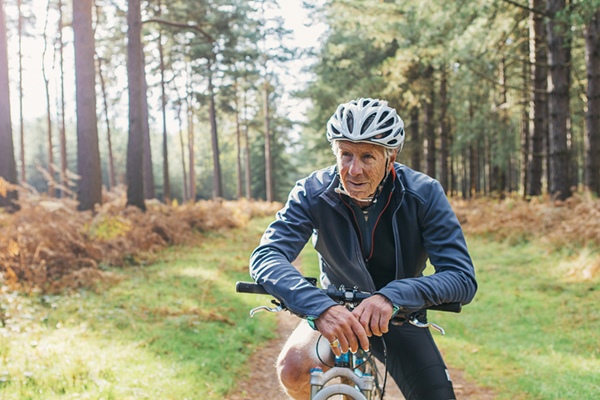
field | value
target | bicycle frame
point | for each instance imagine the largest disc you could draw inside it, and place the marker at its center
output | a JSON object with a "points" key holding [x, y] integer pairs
{"points": [[357, 368]]}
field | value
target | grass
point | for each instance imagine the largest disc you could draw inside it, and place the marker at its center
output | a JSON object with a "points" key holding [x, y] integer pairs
{"points": [[530, 333], [172, 330], [177, 330]]}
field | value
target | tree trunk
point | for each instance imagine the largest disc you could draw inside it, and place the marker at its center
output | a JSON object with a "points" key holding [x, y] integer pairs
{"points": [[62, 136], [190, 114], [163, 98], [558, 98], [538, 106], [88, 154], [238, 143], [248, 188], [149, 189], [8, 167], [184, 195], [429, 123], [268, 156], [50, 147], [135, 145], [592, 135], [21, 119], [415, 140], [110, 161], [217, 191], [444, 131]]}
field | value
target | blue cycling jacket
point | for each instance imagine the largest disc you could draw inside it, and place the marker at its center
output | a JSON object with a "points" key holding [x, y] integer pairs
{"points": [[425, 227]]}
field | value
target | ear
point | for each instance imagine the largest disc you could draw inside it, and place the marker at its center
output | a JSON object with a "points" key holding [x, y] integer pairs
{"points": [[392, 160]]}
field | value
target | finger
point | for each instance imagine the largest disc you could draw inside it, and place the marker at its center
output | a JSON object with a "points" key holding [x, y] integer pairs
{"points": [[363, 319], [344, 345], [353, 342], [375, 325], [335, 347], [362, 335], [384, 324]]}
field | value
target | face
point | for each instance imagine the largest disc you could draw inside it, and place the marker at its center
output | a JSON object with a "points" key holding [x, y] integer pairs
{"points": [[362, 166]]}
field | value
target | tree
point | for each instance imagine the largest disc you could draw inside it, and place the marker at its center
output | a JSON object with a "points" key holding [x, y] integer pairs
{"points": [[88, 155], [8, 168], [62, 129], [538, 97], [136, 82], [592, 137], [50, 149], [163, 105], [557, 29]]}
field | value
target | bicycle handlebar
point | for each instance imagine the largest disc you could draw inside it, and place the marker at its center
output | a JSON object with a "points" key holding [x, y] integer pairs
{"points": [[340, 295]]}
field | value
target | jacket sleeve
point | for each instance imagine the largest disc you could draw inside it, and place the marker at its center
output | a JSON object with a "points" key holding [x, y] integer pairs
{"points": [[284, 239], [444, 242]]}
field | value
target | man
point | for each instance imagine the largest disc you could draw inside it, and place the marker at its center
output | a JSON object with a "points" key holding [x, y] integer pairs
{"points": [[374, 223]]}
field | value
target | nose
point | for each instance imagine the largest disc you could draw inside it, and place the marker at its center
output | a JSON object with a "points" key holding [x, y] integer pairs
{"points": [[355, 167]]}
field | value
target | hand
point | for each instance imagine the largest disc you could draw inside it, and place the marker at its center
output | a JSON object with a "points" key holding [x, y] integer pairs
{"points": [[338, 323], [374, 314]]}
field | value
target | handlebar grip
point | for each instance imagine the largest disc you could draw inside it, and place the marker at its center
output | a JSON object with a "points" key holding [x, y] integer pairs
{"points": [[249, 287], [449, 307]]}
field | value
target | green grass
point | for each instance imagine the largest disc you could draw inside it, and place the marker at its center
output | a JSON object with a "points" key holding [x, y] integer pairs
{"points": [[177, 330], [529, 333], [172, 330]]}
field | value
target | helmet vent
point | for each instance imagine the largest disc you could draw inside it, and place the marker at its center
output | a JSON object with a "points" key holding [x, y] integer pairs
{"points": [[367, 123]]}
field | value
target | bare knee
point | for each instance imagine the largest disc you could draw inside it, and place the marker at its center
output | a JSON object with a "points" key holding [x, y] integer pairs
{"points": [[294, 374]]}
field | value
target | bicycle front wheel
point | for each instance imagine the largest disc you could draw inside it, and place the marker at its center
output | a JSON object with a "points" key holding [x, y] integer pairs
{"points": [[338, 389]]}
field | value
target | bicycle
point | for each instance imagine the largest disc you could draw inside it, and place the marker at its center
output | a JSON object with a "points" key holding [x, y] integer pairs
{"points": [[360, 378]]}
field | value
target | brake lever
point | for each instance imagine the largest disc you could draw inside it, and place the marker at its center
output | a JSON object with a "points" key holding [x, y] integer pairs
{"points": [[277, 309], [420, 324]]}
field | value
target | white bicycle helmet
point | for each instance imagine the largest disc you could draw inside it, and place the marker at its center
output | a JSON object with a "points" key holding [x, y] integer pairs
{"points": [[367, 120]]}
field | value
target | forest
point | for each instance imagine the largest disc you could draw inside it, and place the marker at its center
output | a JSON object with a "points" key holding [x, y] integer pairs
{"points": [[187, 100], [146, 144]]}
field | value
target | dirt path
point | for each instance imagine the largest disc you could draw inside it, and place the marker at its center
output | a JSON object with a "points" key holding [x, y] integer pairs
{"points": [[262, 383]]}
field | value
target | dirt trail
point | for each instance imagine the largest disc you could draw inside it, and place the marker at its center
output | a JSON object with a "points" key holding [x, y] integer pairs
{"points": [[262, 383]]}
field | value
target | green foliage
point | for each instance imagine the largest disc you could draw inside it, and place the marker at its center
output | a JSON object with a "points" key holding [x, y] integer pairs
{"points": [[388, 49], [108, 227]]}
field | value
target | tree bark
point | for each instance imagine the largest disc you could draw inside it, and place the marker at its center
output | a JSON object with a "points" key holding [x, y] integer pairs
{"points": [[558, 98], [538, 104], [8, 167], [163, 103], [88, 154], [110, 161], [247, 177], [21, 119], [238, 143], [592, 135], [444, 131], [217, 191], [62, 136], [190, 115], [415, 140], [268, 155], [50, 146], [429, 123], [148, 166], [135, 145]]}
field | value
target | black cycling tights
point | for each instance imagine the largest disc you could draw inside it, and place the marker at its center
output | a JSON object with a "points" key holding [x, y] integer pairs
{"points": [[415, 363]]}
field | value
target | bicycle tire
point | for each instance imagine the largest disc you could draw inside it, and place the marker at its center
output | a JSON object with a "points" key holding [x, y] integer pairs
{"points": [[338, 389]]}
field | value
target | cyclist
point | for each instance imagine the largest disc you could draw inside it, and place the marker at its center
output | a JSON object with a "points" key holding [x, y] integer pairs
{"points": [[374, 223]]}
